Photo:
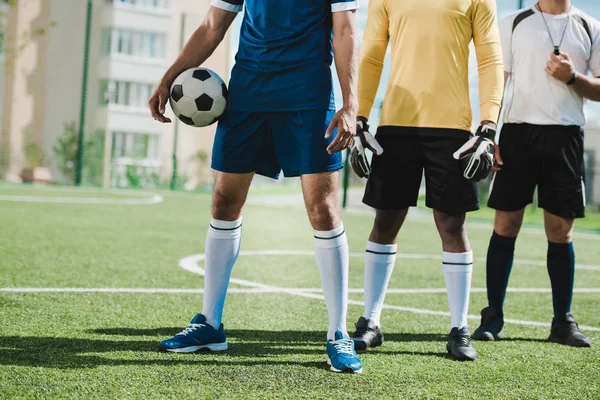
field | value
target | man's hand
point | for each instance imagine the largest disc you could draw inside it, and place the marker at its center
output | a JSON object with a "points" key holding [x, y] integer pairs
{"points": [[561, 67], [345, 121], [476, 156], [363, 140], [488, 129], [158, 102]]}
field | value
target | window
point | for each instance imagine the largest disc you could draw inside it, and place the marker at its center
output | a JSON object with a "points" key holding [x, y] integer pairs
{"points": [[133, 94], [135, 159], [146, 3], [134, 43], [138, 146]]}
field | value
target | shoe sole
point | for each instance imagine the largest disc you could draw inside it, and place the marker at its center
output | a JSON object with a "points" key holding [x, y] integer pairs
{"points": [[361, 345], [554, 339], [192, 349], [345, 370], [488, 336], [460, 358]]}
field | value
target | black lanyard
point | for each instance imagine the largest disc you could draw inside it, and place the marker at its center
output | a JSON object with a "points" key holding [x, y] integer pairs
{"points": [[556, 46]]}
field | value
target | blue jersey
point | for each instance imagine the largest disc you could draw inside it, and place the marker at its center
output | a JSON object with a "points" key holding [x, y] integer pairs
{"points": [[284, 58]]}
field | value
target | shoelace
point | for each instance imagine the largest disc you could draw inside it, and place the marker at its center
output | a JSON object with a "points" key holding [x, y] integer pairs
{"points": [[343, 346], [191, 328], [463, 340]]}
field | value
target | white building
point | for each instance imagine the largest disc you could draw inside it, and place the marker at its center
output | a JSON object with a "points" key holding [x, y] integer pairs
{"points": [[132, 43]]}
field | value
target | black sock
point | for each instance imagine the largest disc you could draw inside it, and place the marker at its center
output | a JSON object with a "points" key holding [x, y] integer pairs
{"points": [[499, 264], [561, 268]]}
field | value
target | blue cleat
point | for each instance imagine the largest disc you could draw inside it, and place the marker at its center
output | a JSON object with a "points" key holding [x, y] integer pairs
{"points": [[342, 357], [197, 336]]}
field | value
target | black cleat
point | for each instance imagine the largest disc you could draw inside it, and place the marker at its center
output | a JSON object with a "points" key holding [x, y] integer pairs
{"points": [[459, 344], [492, 325], [567, 332], [367, 334]]}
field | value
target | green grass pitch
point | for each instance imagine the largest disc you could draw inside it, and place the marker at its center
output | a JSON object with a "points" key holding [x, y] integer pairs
{"points": [[104, 344]]}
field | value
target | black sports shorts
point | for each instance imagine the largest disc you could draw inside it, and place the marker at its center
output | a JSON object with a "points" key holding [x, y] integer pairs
{"points": [[547, 156], [396, 175]]}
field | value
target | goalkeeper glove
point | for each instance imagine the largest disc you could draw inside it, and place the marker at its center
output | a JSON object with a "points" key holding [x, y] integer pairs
{"points": [[363, 140], [476, 157]]}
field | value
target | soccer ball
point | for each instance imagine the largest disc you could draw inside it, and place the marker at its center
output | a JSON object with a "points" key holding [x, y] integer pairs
{"points": [[198, 97]]}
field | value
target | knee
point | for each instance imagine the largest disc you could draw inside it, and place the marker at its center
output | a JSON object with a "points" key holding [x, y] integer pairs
{"points": [[323, 216], [227, 206], [508, 225], [453, 232], [387, 225], [560, 235]]}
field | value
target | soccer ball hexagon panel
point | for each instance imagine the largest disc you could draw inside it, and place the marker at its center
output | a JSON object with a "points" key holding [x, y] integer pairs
{"points": [[198, 97]]}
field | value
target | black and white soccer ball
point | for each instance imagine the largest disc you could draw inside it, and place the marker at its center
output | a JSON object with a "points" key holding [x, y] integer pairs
{"points": [[198, 97]]}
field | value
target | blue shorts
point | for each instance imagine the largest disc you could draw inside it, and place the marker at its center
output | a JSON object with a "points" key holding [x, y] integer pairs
{"points": [[268, 142]]}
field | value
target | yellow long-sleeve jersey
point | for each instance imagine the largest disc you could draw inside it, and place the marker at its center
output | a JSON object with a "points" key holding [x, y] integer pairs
{"points": [[428, 85]]}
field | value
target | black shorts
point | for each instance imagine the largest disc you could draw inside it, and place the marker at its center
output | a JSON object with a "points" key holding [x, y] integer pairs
{"points": [[396, 175], [547, 156]]}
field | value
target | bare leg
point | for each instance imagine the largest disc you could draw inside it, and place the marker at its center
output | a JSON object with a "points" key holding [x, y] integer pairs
{"points": [[452, 231], [229, 195]]}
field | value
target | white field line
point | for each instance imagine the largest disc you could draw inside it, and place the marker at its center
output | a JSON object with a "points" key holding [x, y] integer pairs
{"points": [[151, 199], [270, 289], [190, 264], [123, 290], [399, 255]]}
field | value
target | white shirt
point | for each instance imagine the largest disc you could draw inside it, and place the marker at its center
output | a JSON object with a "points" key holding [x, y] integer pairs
{"points": [[532, 96]]}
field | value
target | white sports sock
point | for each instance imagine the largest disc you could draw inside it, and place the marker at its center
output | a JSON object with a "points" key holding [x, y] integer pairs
{"points": [[458, 268], [222, 249], [379, 264], [331, 249]]}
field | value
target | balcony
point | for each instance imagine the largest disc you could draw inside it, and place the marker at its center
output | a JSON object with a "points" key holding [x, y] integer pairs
{"points": [[161, 7], [137, 16], [116, 117]]}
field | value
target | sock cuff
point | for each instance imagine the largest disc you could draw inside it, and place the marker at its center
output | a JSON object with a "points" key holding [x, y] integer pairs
{"points": [[380, 253], [330, 239], [457, 262], [376, 248], [560, 249], [503, 241], [219, 229]]}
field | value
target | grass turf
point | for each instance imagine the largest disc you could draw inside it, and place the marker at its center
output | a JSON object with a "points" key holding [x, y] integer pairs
{"points": [[103, 345]]}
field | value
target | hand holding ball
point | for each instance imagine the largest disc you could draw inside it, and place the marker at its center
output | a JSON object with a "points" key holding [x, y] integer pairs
{"points": [[198, 97]]}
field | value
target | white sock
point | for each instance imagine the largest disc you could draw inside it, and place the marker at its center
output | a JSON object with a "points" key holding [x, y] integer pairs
{"points": [[458, 268], [379, 264], [331, 249], [222, 249]]}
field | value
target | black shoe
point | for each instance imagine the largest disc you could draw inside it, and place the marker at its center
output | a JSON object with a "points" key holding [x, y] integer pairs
{"points": [[492, 325], [567, 332], [367, 334], [459, 344]]}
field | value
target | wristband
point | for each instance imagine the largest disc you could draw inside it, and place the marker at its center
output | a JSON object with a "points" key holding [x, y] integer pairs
{"points": [[572, 80]]}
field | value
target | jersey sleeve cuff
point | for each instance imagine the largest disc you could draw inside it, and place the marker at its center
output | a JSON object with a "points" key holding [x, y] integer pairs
{"points": [[490, 112], [338, 6], [227, 5], [364, 107]]}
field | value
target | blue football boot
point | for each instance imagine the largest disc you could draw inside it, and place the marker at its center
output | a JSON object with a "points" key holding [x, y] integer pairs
{"points": [[197, 336], [341, 355]]}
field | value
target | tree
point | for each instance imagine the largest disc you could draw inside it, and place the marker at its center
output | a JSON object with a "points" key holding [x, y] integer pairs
{"points": [[20, 43]]}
